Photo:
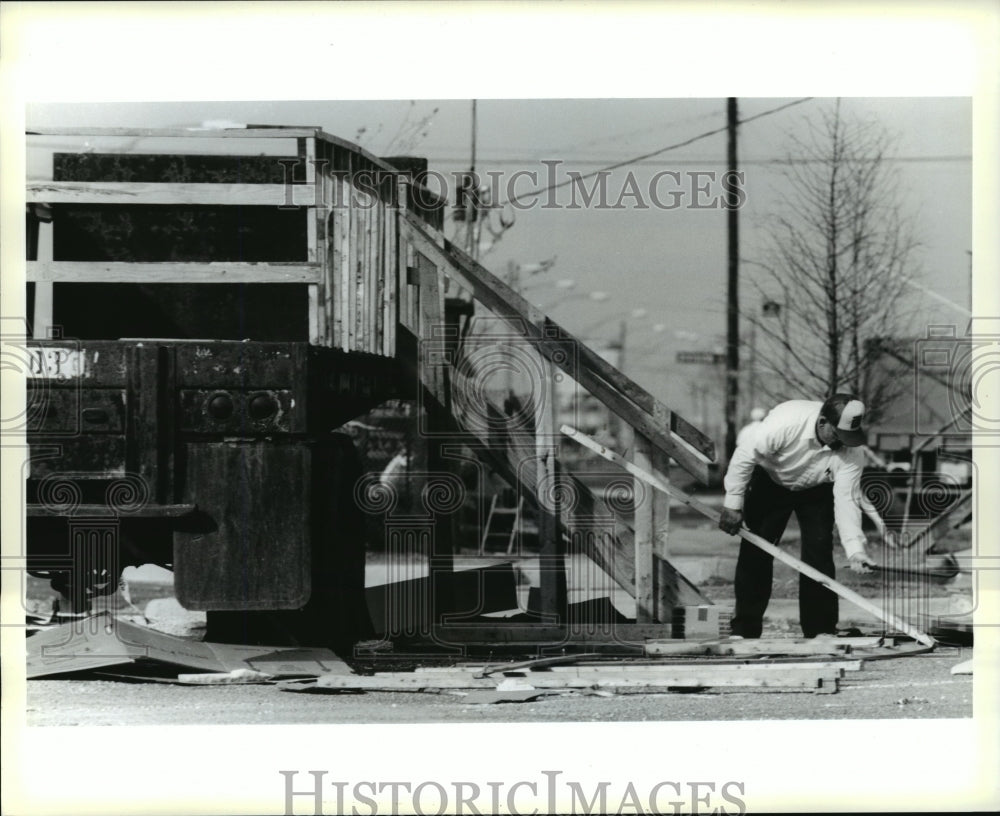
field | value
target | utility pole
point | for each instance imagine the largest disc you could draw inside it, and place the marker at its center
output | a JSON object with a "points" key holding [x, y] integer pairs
{"points": [[472, 217], [733, 298]]}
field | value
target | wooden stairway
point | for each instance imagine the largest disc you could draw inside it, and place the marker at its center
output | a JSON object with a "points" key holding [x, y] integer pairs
{"points": [[443, 361]]}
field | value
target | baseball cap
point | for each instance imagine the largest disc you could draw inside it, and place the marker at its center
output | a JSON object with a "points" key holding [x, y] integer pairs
{"points": [[848, 427]]}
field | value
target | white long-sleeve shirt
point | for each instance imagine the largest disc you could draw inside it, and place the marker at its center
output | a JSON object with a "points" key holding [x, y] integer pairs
{"points": [[785, 445]]}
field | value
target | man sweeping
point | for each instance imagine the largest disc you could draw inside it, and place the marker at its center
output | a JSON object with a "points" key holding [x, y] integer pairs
{"points": [[804, 458]]}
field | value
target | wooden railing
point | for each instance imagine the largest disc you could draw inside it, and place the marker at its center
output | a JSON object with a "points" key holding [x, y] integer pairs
{"points": [[636, 554], [351, 268]]}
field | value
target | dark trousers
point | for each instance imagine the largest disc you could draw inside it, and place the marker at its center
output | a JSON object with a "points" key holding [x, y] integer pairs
{"points": [[766, 510]]}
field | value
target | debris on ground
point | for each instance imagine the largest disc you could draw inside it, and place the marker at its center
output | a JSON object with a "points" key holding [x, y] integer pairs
{"points": [[101, 641], [965, 667], [817, 664]]}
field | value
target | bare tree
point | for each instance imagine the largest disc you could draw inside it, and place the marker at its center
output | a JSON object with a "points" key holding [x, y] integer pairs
{"points": [[838, 263]]}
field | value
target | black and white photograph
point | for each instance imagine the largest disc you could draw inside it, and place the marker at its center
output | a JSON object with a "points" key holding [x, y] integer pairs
{"points": [[499, 448]]}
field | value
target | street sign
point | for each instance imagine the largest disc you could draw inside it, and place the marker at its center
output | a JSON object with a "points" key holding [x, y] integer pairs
{"points": [[703, 357]]}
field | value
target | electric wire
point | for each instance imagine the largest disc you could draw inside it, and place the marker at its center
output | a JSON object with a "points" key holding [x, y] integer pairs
{"points": [[658, 152]]}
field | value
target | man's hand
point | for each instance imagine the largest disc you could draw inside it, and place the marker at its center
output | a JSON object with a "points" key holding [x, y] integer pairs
{"points": [[730, 521], [861, 563]]}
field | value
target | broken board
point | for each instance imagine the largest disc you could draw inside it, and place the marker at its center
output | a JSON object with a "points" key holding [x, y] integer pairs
{"points": [[102, 641]]}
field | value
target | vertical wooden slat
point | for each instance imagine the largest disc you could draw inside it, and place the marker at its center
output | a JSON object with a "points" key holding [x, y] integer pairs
{"points": [[643, 526], [335, 295], [387, 267], [353, 258], [390, 282], [374, 295], [369, 275], [399, 252], [552, 567], [379, 344], [41, 319], [307, 149], [344, 215], [358, 259], [665, 591]]}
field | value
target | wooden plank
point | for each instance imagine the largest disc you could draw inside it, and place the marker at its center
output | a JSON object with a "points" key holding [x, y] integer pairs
{"points": [[401, 251], [652, 669], [336, 294], [314, 244], [352, 266], [369, 274], [130, 272], [643, 526], [115, 192], [379, 298], [623, 634], [667, 591], [775, 552], [672, 677], [41, 320], [574, 357], [180, 133], [770, 646], [552, 564], [346, 235]]}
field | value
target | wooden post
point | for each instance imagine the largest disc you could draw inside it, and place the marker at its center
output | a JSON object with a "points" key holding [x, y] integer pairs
{"points": [[41, 320], [435, 380], [552, 565], [315, 249], [644, 533], [665, 589]]}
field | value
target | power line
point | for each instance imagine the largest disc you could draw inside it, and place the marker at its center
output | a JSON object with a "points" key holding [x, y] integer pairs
{"points": [[658, 152], [706, 160]]}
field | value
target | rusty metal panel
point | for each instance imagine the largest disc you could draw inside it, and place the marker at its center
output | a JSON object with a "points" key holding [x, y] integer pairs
{"points": [[249, 548], [95, 456], [84, 410], [237, 412], [225, 364]]}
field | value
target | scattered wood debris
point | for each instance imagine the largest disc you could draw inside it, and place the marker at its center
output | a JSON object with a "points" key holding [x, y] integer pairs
{"points": [[102, 641], [817, 646], [651, 677]]}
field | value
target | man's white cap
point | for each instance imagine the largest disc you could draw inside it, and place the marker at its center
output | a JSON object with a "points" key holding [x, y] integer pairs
{"points": [[848, 428]]}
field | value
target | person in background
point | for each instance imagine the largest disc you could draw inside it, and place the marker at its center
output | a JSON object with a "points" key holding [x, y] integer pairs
{"points": [[803, 458]]}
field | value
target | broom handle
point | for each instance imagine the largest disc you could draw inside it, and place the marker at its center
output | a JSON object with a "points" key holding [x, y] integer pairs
{"points": [[654, 481]]}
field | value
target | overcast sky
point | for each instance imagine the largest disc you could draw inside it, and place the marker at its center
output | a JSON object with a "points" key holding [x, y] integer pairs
{"points": [[670, 262]]}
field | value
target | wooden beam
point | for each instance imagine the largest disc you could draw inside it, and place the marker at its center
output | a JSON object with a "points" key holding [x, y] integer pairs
{"points": [[770, 646], [114, 192], [315, 245], [623, 396], [131, 272], [709, 512], [552, 564], [41, 320], [182, 133], [643, 525], [663, 678]]}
